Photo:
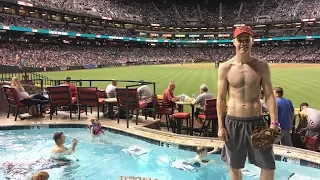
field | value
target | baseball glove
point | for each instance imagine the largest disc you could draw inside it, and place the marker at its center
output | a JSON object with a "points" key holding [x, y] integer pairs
{"points": [[263, 137]]}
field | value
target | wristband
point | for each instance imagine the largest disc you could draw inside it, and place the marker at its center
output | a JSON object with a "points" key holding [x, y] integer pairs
{"points": [[275, 123]]}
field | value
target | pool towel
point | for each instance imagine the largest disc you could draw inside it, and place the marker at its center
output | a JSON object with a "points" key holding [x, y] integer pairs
{"points": [[136, 150], [183, 165], [295, 176]]}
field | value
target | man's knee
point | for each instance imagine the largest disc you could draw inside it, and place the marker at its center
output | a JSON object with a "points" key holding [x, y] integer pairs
{"points": [[267, 174], [235, 174]]}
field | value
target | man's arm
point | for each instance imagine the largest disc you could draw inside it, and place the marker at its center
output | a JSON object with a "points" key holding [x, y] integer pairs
{"points": [[197, 101], [269, 96], [222, 93], [73, 147], [69, 151], [214, 150]]}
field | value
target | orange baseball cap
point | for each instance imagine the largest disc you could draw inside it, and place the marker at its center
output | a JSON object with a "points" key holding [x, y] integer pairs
{"points": [[242, 29]]}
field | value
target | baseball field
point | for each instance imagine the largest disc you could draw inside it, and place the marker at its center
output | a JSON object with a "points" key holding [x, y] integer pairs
{"points": [[301, 82]]}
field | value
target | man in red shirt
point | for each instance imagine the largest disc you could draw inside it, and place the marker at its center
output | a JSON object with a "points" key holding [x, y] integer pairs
{"points": [[168, 97], [73, 88]]}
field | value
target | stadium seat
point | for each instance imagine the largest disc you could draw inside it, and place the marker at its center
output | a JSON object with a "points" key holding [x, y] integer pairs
{"points": [[177, 119], [162, 109], [132, 102], [89, 97], [208, 116], [13, 101], [312, 143], [60, 96]]}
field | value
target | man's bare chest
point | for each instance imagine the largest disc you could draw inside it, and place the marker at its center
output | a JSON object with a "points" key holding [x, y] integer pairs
{"points": [[243, 76]]}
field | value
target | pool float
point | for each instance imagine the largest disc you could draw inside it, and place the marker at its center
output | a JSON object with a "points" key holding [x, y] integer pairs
{"points": [[136, 150], [183, 165]]}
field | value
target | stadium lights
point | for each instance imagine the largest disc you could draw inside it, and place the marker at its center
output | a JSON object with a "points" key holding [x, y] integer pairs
{"points": [[24, 3], [237, 25], [260, 25], [106, 18], [308, 20]]}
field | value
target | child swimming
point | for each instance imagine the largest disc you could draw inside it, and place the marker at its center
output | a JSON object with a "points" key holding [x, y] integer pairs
{"points": [[202, 152], [95, 127], [195, 163]]}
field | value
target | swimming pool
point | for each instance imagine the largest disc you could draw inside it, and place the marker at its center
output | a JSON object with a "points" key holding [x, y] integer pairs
{"points": [[106, 160]]}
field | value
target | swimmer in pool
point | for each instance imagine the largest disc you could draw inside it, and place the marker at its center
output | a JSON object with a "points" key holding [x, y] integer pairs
{"points": [[202, 152], [59, 150], [95, 127]]}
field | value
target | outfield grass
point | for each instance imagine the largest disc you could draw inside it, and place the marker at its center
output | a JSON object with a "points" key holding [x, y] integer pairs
{"points": [[301, 83]]}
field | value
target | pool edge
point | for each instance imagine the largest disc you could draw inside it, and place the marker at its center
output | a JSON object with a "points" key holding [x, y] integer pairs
{"points": [[170, 140]]}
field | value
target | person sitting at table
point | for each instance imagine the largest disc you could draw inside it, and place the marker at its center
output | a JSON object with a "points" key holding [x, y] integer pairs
{"points": [[25, 98], [168, 97], [145, 94], [73, 88], [111, 93], [111, 89], [201, 99]]}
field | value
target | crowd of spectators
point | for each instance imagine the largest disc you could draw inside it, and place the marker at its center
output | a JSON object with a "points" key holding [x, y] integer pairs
{"points": [[64, 55], [21, 21], [175, 13]]}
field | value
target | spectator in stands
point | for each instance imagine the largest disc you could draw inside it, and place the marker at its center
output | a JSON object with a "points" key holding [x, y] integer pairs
{"points": [[201, 99], [285, 117], [145, 94], [263, 104], [312, 116], [73, 88], [168, 97], [111, 89], [25, 98]]}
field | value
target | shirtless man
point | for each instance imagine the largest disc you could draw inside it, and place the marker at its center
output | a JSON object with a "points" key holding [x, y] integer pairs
{"points": [[59, 149], [242, 78]]}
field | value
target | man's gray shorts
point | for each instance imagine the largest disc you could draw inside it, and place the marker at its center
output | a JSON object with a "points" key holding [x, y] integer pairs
{"points": [[238, 146]]}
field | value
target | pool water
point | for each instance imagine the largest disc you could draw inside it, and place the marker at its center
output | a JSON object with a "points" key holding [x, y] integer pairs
{"points": [[104, 159]]}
